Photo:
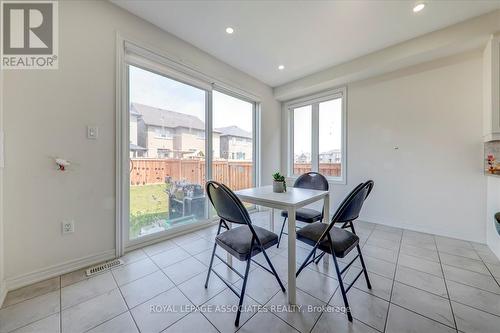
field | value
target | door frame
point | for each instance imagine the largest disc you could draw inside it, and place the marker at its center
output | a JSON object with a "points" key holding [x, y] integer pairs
{"points": [[185, 74]]}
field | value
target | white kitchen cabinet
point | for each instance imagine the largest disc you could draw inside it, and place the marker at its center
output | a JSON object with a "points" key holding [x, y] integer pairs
{"points": [[491, 89]]}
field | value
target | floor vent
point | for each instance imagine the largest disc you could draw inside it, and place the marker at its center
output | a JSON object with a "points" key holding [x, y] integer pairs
{"points": [[103, 267]]}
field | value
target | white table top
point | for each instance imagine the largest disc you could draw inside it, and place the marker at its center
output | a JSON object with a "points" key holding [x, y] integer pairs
{"points": [[293, 197]]}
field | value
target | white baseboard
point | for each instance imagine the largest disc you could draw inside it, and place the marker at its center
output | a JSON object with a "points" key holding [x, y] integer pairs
{"points": [[3, 292], [56, 270]]}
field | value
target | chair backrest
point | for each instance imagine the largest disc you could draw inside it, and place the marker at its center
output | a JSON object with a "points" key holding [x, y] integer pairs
{"points": [[351, 206], [369, 184], [312, 181], [228, 206]]}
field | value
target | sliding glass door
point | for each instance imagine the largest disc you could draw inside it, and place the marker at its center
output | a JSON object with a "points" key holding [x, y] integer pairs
{"points": [[233, 143], [167, 153], [180, 135]]}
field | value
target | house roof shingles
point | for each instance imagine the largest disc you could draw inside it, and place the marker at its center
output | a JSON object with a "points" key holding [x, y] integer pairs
{"points": [[166, 118], [234, 131]]}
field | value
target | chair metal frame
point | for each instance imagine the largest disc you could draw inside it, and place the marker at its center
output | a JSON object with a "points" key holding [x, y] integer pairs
{"points": [[282, 232], [335, 219], [255, 242]]}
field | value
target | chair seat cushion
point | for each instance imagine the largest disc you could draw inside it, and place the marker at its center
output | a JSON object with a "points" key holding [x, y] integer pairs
{"points": [[343, 241], [237, 241], [305, 215]]}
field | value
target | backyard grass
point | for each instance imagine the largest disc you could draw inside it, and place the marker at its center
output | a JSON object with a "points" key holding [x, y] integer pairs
{"points": [[148, 203]]}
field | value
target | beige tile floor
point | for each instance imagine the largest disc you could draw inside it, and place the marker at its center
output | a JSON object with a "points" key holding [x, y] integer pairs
{"points": [[421, 283]]}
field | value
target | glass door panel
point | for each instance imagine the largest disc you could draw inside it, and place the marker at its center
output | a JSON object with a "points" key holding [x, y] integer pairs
{"points": [[302, 144], [233, 141], [330, 138], [167, 153]]}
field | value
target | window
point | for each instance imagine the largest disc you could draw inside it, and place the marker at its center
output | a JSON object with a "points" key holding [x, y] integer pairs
{"points": [[317, 135], [167, 188], [302, 127], [177, 125], [330, 138], [163, 133]]}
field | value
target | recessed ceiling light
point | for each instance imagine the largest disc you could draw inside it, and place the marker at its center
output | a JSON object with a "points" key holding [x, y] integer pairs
{"points": [[281, 67], [229, 30], [418, 7]]}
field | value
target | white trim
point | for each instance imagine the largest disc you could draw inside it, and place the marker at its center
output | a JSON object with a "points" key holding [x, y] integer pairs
{"points": [[209, 137], [315, 137], [189, 71], [3, 292], [314, 101], [257, 106], [121, 133], [3, 289], [235, 92], [58, 269], [179, 231]]}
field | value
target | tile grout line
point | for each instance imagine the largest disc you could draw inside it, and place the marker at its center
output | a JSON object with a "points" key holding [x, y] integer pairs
{"points": [[446, 287], [107, 320], [195, 306], [371, 232], [424, 316], [480, 260], [28, 324], [393, 282], [319, 317], [175, 286], [484, 263], [126, 304], [366, 242], [272, 313], [30, 298]]}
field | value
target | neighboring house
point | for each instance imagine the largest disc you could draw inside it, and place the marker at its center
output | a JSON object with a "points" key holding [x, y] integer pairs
{"points": [[235, 143], [135, 149], [303, 158], [169, 134], [331, 156]]}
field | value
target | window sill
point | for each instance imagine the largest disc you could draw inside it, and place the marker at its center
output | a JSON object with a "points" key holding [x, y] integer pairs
{"points": [[331, 180]]}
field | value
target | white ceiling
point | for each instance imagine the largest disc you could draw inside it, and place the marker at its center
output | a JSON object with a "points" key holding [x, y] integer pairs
{"points": [[305, 36]]}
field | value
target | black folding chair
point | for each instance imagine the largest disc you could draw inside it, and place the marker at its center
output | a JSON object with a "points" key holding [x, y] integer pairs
{"points": [[312, 181], [242, 242], [337, 241], [369, 184]]}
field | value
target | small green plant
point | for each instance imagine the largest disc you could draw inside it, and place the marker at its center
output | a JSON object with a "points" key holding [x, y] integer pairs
{"points": [[278, 177]]}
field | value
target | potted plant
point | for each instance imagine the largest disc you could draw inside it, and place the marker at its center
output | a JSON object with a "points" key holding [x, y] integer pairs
{"points": [[279, 183]]}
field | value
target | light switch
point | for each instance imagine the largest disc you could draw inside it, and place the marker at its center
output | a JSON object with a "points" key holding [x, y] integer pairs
{"points": [[92, 132]]}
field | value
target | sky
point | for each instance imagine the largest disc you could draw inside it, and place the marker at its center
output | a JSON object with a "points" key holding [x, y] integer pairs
{"points": [[161, 92], [164, 93], [330, 124]]}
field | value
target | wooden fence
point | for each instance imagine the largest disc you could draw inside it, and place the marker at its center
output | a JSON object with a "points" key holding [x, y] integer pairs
{"points": [[326, 169], [144, 171], [236, 174]]}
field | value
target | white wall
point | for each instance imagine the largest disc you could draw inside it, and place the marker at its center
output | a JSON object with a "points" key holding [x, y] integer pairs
{"points": [[434, 182], [46, 113]]}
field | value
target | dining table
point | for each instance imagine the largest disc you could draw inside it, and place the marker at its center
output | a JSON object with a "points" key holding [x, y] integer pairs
{"points": [[291, 200]]}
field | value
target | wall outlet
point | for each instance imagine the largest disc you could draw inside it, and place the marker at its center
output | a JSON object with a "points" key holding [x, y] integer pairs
{"points": [[68, 227]]}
